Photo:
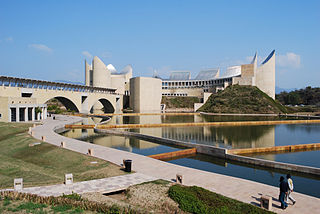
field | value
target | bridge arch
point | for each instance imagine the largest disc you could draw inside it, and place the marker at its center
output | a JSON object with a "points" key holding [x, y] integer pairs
{"points": [[106, 104], [69, 104]]}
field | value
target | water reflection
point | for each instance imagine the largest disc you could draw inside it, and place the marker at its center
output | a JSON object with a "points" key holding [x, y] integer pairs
{"points": [[228, 136]]}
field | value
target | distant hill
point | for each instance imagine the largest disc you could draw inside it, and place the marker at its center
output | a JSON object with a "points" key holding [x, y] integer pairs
{"points": [[69, 82], [242, 99], [279, 90], [306, 96]]}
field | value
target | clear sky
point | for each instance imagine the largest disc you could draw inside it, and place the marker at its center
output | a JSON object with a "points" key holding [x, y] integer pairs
{"points": [[50, 40]]}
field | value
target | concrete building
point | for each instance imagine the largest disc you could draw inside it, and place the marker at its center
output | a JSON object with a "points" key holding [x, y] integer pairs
{"points": [[105, 87], [145, 94], [263, 76], [106, 76]]}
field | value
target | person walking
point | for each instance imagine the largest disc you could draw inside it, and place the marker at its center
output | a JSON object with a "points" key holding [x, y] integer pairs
{"points": [[290, 186], [283, 191]]}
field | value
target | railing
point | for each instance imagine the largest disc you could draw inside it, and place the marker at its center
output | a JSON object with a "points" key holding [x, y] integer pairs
{"points": [[47, 85]]}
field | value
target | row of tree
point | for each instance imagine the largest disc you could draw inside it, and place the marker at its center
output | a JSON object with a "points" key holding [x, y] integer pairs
{"points": [[307, 96]]}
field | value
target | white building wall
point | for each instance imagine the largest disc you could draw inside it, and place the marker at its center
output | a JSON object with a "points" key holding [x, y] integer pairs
{"points": [[101, 75], [145, 94], [265, 77]]}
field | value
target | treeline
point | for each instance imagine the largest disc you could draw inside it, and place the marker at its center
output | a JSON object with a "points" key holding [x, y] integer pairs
{"points": [[307, 96]]}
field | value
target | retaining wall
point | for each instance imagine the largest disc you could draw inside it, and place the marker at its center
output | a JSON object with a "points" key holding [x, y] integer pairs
{"points": [[274, 164], [288, 148]]}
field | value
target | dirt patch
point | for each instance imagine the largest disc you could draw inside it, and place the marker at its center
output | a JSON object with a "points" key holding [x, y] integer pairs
{"points": [[150, 197]]}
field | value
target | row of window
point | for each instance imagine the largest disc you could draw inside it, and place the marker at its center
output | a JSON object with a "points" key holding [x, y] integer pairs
{"points": [[196, 83], [175, 94]]}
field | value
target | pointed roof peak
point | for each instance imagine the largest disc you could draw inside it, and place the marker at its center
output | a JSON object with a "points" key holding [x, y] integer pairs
{"points": [[269, 57], [254, 58]]}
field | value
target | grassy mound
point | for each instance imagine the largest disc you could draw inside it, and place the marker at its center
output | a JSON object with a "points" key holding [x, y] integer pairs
{"points": [[243, 100], [198, 200], [179, 102]]}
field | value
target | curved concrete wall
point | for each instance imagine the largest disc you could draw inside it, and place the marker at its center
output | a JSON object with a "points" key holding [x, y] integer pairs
{"points": [[87, 68], [101, 75], [265, 76]]}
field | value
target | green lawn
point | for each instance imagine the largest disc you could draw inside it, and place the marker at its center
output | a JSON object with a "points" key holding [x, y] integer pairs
{"points": [[44, 164], [201, 201]]}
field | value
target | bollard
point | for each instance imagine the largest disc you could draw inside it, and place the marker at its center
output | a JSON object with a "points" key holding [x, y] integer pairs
{"points": [[30, 129], [31, 133], [63, 144], [68, 179], [90, 152], [34, 125], [43, 138], [18, 184], [179, 179], [266, 202]]}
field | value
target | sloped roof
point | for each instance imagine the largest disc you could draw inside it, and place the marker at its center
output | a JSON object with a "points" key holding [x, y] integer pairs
{"points": [[180, 75], [208, 74], [232, 71]]}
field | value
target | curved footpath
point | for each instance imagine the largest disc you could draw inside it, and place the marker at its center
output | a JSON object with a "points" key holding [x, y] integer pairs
{"points": [[237, 188]]}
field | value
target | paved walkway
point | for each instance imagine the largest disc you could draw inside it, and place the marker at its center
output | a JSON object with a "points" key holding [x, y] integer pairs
{"points": [[237, 188], [104, 185]]}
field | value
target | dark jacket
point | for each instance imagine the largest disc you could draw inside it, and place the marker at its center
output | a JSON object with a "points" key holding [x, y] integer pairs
{"points": [[284, 186]]}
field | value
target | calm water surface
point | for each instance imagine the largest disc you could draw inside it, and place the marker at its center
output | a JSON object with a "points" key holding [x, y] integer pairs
{"points": [[227, 137]]}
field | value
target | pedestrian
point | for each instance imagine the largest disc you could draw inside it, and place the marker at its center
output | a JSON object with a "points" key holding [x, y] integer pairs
{"points": [[283, 191], [290, 186]]}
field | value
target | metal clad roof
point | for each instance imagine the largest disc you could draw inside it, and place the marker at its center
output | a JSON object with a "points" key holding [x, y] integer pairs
{"points": [[207, 74], [180, 75]]}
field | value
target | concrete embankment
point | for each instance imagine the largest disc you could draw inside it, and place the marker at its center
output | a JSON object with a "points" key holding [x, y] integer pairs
{"points": [[215, 152], [234, 123], [175, 154], [142, 114], [263, 115], [276, 149]]}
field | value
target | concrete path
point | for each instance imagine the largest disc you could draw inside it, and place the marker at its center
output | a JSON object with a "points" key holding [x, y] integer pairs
{"points": [[104, 185], [237, 188]]}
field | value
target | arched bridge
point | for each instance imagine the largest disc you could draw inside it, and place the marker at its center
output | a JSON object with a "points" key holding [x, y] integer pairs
{"points": [[24, 99]]}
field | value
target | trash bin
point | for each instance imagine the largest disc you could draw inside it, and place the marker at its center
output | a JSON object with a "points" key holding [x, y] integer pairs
{"points": [[127, 164]]}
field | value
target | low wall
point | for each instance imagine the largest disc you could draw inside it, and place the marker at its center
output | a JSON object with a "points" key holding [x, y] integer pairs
{"points": [[274, 164], [288, 148], [175, 154], [234, 123]]}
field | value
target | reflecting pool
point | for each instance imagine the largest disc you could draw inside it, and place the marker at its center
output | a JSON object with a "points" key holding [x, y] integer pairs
{"points": [[227, 137]]}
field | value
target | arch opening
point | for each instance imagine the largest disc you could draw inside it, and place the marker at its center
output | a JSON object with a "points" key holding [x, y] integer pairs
{"points": [[103, 105], [60, 105]]}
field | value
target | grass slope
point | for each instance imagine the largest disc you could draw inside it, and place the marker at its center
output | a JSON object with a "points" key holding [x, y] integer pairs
{"points": [[242, 100], [179, 102], [201, 201], [44, 164]]}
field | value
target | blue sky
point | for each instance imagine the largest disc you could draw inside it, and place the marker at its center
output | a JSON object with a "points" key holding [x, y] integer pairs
{"points": [[50, 40]]}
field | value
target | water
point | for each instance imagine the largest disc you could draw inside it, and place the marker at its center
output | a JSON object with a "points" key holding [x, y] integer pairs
{"points": [[227, 137]]}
